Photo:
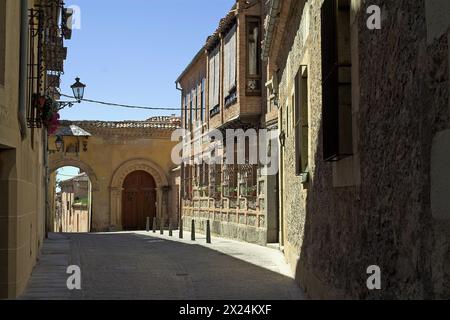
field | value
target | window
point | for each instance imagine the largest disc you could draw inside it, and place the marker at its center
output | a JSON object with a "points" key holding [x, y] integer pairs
{"points": [[215, 175], [230, 179], [188, 181], [214, 78], [185, 111], [336, 80], [2, 40], [229, 81], [253, 86], [196, 102], [203, 102], [191, 97], [301, 121], [193, 107]]}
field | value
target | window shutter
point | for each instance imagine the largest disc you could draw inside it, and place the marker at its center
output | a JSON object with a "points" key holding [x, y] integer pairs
{"points": [[233, 53], [329, 81], [211, 81], [216, 77], [298, 124], [226, 69]]}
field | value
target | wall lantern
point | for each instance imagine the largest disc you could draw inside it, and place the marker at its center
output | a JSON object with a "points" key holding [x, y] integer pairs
{"points": [[85, 145], [282, 139], [59, 143], [78, 94], [78, 90]]}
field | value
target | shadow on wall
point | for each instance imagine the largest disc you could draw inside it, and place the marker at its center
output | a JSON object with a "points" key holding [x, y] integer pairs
{"points": [[386, 221], [7, 175]]}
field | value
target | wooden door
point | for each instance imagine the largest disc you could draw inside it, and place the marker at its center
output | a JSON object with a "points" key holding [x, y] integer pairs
{"points": [[138, 200]]}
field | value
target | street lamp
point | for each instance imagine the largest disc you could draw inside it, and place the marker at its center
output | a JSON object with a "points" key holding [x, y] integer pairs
{"points": [[59, 143], [78, 89], [78, 94]]}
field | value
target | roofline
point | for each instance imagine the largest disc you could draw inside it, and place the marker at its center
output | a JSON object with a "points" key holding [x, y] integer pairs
{"points": [[204, 47], [194, 60]]}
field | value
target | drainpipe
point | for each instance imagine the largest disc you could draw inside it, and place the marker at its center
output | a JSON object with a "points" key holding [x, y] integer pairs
{"points": [[23, 67]]}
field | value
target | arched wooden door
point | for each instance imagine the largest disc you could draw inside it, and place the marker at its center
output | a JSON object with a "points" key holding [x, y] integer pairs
{"points": [[138, 200]]}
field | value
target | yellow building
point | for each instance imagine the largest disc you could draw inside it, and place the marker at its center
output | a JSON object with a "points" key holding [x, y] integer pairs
{"points": [[129, 166], [31, 60]]}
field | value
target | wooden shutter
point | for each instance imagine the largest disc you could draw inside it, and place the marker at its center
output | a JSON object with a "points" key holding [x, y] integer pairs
{"points": [[298, 123], [329, 81]]}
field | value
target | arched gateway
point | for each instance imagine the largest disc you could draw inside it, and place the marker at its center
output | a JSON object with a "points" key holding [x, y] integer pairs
{"points": [[123, 160]]}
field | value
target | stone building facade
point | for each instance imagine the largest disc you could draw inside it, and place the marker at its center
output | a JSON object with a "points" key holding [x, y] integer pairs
{"points": [[129, 165], [223, 89], [23, 131], [74, 201], [364, 120]]}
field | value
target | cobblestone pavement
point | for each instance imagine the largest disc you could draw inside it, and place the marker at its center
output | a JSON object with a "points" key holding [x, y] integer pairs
{"points": [[141, 265]]}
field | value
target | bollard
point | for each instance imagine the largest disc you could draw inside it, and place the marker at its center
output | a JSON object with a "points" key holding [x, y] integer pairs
{"points": [[170, 228], [208, 232], [181, 229], [161, 227], [154, 225], [193, 230], [147, 227]]}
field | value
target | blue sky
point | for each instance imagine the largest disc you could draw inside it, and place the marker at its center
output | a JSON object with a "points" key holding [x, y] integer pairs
{"points": [[131, 52]]}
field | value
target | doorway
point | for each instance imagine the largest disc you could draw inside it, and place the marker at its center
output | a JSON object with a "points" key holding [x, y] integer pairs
{"points": [[138, 200]]}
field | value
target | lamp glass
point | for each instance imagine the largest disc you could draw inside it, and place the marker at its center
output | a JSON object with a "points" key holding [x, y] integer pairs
{"points": [[59, 143], [78, 89]]}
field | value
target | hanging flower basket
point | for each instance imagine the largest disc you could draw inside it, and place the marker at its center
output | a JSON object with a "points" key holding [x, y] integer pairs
{"points": [[48, 112]]}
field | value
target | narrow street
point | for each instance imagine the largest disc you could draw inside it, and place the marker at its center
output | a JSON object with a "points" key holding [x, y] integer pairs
{"points": [[140, 265]]}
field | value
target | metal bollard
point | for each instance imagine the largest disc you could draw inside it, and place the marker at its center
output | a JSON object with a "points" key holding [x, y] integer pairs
{"points": [[193, 230], [181, 229], [161, 227], [147, 227], [170, 229], [154, 225], [208, 232]]}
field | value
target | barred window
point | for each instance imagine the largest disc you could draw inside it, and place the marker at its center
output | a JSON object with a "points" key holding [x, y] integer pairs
{"points": [[248, 180], [215, 181], [188, 182]]}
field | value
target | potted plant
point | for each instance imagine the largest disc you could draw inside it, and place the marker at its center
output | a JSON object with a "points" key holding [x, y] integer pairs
{"points": [[48, 112]]}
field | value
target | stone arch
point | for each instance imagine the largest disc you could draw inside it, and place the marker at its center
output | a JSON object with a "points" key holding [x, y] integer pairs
{"points": [[68, 162], [95, 186], [116, 188]]}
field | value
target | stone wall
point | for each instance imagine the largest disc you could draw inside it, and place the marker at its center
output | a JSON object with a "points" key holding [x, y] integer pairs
{"points": [[333, 230], [22, 171]]}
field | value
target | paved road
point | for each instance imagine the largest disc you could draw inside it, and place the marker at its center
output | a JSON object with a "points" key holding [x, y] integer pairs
{"points": [[140, 265]]}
